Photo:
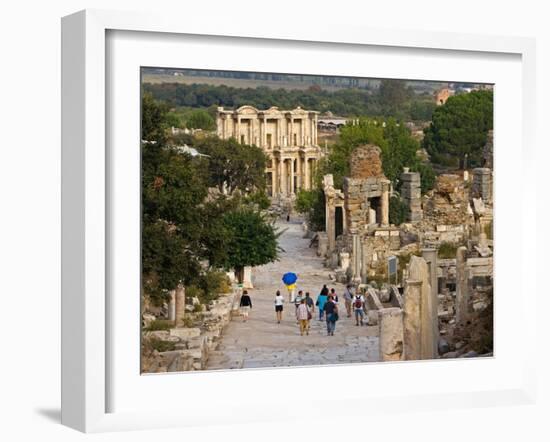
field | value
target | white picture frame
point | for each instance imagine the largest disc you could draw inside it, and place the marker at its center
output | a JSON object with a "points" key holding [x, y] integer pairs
{"points": [[87, 203]]}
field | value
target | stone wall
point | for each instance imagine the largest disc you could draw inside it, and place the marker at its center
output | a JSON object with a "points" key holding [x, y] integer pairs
{"points": [[365, 162], [192, 345]]}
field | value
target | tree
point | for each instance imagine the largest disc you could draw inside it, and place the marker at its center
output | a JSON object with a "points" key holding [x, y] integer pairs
{"points": [[252, 240], [459, 128], [173, 188], [232, 165], [200, 119], [398, 211], [311, 203], [153, 119], [393, 94]]}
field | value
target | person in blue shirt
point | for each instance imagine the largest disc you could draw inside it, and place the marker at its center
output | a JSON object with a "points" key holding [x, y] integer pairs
{"points": [[320, 303]]}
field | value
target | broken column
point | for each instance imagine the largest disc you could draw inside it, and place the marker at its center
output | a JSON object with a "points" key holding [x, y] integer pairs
{"points": [[390, 325], [330, 212], [462, 293], [482, 185], [430, 256], [180, 304], [428, 331], [411, 194], [385, 203], [172, 306], [411, 320]]}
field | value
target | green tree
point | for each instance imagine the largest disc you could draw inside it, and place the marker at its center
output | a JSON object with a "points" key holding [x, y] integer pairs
{"points": [[459, 128], [232, 165], [393, 94], [311, 203], [252, 240], [200, 119], [398, 211], [153, 119]]}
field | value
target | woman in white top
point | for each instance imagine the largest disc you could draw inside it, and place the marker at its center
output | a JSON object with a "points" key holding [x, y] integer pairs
{"points": [[279, 301]]}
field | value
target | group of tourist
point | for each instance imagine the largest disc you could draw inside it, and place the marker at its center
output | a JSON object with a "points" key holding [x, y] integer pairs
{"points": [[327, 304]]}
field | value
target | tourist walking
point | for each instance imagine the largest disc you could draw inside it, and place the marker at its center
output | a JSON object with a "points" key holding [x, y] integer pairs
{"points": [[320, 303], [348, 297], [324, 290], [358, 307], [279, 301], [245, 305], [334, 295], [298, 299], [331, 314], [311, 305], [303, 315]]}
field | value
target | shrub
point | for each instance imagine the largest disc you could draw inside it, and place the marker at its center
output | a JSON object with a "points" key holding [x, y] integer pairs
{"points": [[160, 324], [447, 250], [161, 346], [398, 211]]}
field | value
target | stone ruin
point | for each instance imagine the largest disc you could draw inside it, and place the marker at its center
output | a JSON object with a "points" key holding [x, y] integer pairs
{"points": [[358, 234], [189, 345], [427, 313]]}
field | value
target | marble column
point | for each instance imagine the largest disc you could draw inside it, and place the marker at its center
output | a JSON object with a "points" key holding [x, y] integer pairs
{"points": [[430, 256], [412, 322], [283, 177], [292, 176], [172, 306], [462, 294], [330, 215], [385, 203], [238, 137], [274, 177], [299, 177], [306, 173], [390, 325], [291, 137], [180, 304]]}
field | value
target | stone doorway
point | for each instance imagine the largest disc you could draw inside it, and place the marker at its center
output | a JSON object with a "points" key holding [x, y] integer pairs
{"points": [[375, 211]]}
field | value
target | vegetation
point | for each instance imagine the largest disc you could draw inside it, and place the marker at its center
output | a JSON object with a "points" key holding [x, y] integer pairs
{"points": [[398, 150], [398, 211], [252, 241], [311, 203], [160, 345], [160, 324], [459, 128], [232, 165], [393, 98], [200, 119], [447, 250], [395, 141], [185, 234]]}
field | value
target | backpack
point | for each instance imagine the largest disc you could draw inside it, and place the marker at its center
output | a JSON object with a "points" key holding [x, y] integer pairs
{"points": [[358, 303]]}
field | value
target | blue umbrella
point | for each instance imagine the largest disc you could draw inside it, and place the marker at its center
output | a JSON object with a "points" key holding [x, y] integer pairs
{"points": [[290, 278]]}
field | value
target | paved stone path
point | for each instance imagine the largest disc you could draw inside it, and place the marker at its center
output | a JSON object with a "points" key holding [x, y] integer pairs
{"points": [[261, 342]]}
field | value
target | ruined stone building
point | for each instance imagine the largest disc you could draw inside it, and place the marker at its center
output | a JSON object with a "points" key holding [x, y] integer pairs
{"points": [[358, 235], [288, 138]]}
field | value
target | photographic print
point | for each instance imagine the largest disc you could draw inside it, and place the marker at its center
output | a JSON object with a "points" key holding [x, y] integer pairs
{"points": [[303, 220]]}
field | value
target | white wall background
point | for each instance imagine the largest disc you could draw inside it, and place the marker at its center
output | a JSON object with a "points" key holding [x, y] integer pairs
{"points": [[30, 215]]}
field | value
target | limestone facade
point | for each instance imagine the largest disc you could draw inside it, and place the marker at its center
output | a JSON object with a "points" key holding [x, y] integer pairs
{"points": [[288, 138]]}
